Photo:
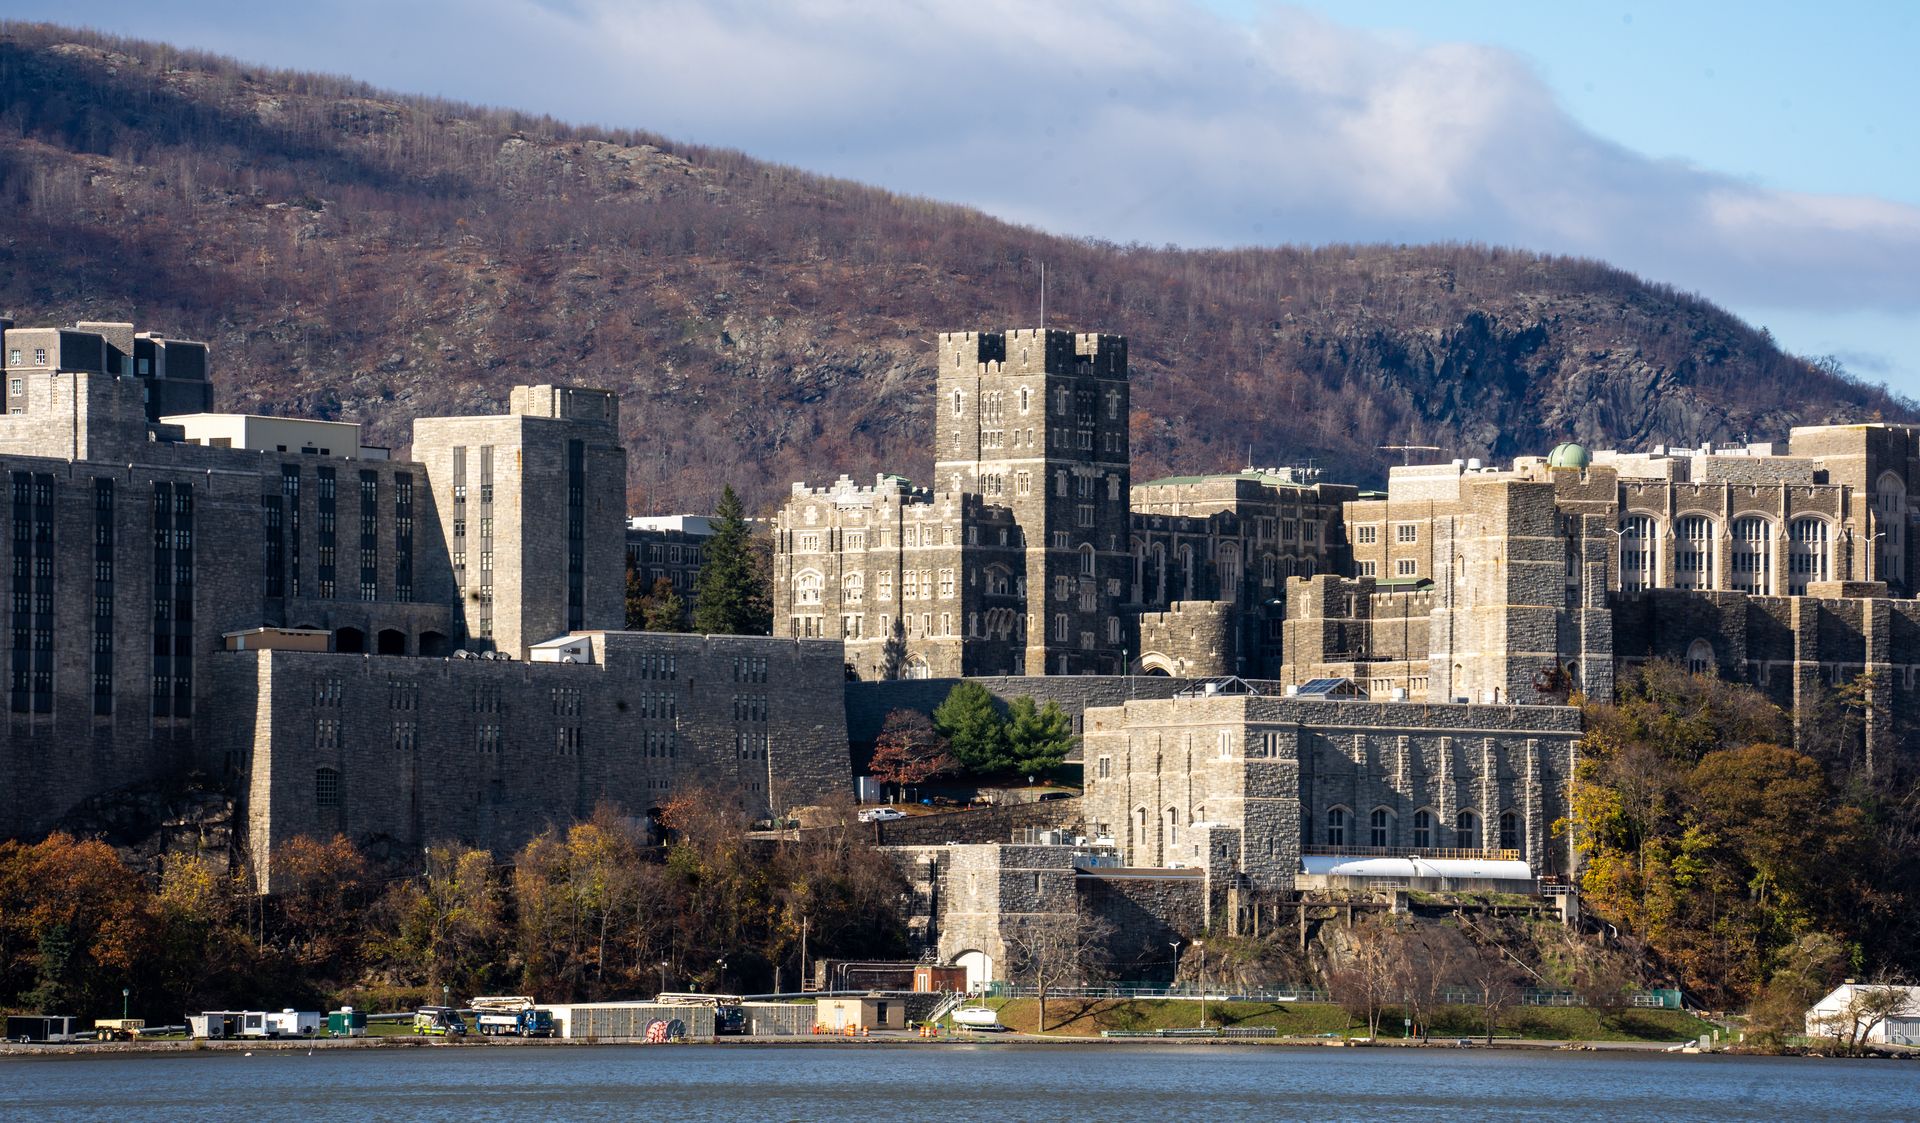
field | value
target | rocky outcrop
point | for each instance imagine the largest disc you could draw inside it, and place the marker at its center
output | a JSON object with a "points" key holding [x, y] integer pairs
{"points": [[148, 824]]}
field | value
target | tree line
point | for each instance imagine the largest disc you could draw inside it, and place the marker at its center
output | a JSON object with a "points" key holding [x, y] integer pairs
{"points": [[595, 910], [1759, 869]]}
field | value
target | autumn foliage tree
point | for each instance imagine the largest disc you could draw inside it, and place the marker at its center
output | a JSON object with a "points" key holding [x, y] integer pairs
{"points": [[1707, 838], [909, 751]]}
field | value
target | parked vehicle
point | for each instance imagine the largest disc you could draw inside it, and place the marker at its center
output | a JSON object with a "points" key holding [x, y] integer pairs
{"points": [[29, 1029], [347, 1022], [881, 815], [510, 1016], [294, 1023], [216, 1025], [439, 1021], [729, 1015], [530, 1022]]}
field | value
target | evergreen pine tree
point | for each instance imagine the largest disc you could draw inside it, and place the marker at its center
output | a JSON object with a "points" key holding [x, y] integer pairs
{"points": [[731, 596], [970, 721], [1038, 738]]}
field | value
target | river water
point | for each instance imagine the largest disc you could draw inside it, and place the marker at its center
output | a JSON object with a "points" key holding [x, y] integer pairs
{"points": [[1099, 1084]]}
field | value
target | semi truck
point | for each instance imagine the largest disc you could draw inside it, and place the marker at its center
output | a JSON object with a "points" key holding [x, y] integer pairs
{"points": [[510, 1016]]}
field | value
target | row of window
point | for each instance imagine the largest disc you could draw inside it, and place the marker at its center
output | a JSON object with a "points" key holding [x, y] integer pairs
{"points": [[1696, 547], [1382, 829]]}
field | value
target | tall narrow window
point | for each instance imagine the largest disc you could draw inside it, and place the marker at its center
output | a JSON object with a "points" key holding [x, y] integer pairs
{"points": [[1808, 551], [1693, 553], [1380, 828], [1637, 535], [1752, 560]]}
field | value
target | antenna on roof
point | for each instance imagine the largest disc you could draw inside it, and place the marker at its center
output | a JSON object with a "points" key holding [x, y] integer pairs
{"points": [[1406, 451]]}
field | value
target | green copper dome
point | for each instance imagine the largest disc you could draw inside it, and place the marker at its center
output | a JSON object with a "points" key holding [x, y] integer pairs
{"points": [[1568, 455]]}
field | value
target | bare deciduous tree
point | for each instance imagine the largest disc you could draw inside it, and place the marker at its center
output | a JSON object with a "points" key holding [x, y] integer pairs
{"points": [[1057, 949]]}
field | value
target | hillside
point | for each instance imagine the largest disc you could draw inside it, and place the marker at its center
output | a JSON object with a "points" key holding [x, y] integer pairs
{"points": [[361, 255]]}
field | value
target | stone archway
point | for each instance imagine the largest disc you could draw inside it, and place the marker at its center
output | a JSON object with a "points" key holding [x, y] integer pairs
{"points": [[349, 641], [1156, 663], [390, 641], [979, 967]]}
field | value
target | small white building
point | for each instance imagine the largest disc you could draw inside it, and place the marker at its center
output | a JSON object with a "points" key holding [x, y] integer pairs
{"points": [[1869, 1013]]}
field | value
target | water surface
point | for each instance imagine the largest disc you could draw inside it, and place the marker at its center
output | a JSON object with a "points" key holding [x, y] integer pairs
{"points": [[1103, 1083]]}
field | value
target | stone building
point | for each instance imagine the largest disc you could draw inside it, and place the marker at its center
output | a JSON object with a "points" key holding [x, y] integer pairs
{"points": [[1030, 552], [1770, 563], [1248, 788], [139, 539], [401, 753], [1015, 560], [669, 548], [532, 506], [983, 906], [1212, 557]]}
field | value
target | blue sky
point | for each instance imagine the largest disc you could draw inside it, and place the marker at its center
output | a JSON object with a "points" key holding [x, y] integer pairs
{"points": [[1759, 153]]}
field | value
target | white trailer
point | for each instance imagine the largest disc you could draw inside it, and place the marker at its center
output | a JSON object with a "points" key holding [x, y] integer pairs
{"points": [[294, 1023]]}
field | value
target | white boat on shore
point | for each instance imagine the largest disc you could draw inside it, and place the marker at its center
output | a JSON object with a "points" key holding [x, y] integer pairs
{"points": [[977, 1017]]}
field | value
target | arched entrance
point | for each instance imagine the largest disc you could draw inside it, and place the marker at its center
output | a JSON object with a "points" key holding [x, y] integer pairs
{"points": [[979, 967], [435, 645], [390, 641], [350, 641], [1154, 663]]}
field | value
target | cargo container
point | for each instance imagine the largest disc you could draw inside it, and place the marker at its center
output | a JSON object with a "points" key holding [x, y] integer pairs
{"points": [[216, 1025]]}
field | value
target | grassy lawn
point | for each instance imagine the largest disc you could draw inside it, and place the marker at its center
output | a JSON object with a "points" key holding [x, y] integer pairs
{"points": [[1086, 1018]]}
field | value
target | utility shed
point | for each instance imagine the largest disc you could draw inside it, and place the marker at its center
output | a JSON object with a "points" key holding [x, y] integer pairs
{"points": [[866, 1012]]}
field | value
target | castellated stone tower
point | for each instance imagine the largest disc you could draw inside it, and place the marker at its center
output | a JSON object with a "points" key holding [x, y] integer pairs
{"points": [[1036, 420]]}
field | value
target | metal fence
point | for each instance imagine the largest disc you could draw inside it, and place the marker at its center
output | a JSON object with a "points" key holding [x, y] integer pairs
{"points": [[1452, 996]]}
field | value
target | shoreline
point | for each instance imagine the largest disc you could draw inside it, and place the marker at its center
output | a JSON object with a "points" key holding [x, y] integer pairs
{"points": [[888, 1041]]}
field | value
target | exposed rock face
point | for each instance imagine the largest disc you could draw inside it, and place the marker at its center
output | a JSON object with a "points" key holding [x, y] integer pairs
{"points": [[149, 824]]}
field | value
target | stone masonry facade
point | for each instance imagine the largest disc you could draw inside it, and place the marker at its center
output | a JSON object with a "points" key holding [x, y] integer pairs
{"points": [[137, 556], [407, 752]]}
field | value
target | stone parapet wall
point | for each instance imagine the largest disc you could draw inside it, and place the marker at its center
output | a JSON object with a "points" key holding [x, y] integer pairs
{"points": [[414, 751]]}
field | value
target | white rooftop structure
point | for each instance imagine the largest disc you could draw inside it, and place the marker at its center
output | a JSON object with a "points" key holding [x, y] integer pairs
{"points": [[275, 434], [686, 524]]}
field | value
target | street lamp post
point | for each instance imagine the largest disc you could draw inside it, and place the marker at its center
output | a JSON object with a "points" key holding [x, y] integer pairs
{"points": [[1175, 945], [663, 976], [126, 995], [720, 975]]}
